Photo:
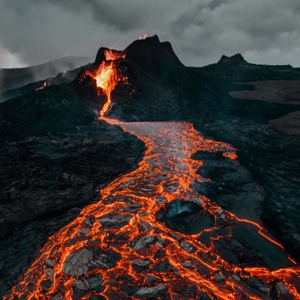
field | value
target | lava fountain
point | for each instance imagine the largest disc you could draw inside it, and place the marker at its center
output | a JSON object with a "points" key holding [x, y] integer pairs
{"points": [[108, 75]]}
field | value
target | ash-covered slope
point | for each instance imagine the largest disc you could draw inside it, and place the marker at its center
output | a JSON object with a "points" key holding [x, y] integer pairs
{"points": [[50, 106], [15, 78], [51, 110], [60, 78]]}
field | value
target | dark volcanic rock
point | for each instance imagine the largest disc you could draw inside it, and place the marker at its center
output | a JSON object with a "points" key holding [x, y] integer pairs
{"points": [[152, 56], [163, 266], [141, 242], [104, 259], [60, 78], [273, 256], [141, 265], [188, 265], [77, 262], [272, 160], [235, 60], [152, 279], [47, 179], [179, 207], [177, 215], [95, 283], [256, 283], [96, 297], [152, 292], [111, 221]]}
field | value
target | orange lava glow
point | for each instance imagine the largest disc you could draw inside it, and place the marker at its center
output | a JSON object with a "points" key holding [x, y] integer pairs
{"points": [[231, 155], [40, 88], [106, 79], [165, 174], [108, 75], [143, 38], [113, 55]]}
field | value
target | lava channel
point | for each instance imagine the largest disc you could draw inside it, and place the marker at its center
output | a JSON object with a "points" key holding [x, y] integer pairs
{"points": [[118, 248]]}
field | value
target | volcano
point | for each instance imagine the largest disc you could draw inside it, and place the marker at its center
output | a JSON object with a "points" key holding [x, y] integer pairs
{"points": [[137, 177]]}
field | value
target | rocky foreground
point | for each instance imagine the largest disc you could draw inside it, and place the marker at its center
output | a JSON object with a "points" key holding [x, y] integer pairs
{"points": [[47, 179], [154, 233]]}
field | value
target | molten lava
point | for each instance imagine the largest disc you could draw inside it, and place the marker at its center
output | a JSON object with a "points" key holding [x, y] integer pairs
{"points": [[114, 55], [107, 78], [143, 38], [121, 240], [40, 88], [108, 75]]}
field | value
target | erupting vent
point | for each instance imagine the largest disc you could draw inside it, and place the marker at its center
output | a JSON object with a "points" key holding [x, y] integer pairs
{"points": [[108, 75], [107, 78]]}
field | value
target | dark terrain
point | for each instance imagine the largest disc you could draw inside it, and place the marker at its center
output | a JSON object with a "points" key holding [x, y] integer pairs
{"points": [[56, 155], [14, 78], [47, 179]]}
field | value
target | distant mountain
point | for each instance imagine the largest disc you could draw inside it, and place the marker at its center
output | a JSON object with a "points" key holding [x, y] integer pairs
{"points": [[236, 68], [236, 59], [60, 78], [15, 78]]}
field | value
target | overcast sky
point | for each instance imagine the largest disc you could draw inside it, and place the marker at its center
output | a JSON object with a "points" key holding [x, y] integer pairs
{"points": [[201, 31]]}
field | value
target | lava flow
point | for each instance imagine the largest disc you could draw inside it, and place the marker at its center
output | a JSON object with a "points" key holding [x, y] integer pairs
{"points": [[108, 76], [118, 248], [40, 88], [122, 248]]}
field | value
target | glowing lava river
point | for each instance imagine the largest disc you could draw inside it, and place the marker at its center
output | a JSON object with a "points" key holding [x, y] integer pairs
{"points": [[119, 248]]}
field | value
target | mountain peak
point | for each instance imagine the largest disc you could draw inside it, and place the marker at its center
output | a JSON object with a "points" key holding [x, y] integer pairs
{"points": [[236, 59], [150, 53]]}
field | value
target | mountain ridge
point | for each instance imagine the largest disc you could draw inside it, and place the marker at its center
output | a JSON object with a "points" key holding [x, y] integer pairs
{"points": [[16, 77]]}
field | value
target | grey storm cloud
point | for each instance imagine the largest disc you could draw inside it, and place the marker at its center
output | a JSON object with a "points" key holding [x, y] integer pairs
{"points": [[201, 31]]}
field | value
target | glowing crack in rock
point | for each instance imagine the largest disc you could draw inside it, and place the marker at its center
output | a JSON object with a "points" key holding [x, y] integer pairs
{"points": [[40, 88]]}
